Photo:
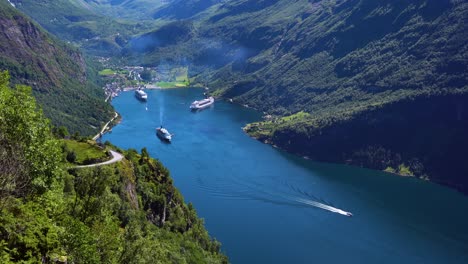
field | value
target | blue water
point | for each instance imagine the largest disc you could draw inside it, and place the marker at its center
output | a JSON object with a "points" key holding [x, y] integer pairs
{"points": [[263, 204]]}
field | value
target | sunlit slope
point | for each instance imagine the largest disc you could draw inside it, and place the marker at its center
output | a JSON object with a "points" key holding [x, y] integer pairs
{"points": [[129, 9], [83, 24], [58, 73]]}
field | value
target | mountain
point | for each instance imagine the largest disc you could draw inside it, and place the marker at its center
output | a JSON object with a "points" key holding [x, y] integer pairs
{"points": [[81, 23], [180, 9], [104, 27], [381, 84], [138, 10], [128, 9], [58, 74]]}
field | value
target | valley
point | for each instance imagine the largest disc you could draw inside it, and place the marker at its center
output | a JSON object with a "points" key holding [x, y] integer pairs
{"points": [[337, 133]]}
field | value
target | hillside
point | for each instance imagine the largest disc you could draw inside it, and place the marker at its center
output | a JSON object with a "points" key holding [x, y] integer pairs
{"points": [[52, 212], [127, 9], [183, 9], [328, 53], [338, 61], [81, 23], [146, 10], [58, 74]]}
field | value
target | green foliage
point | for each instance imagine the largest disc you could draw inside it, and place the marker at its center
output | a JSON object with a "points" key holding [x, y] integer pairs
{"points": [[29, 155], [85, 152], [71, 156], [146, 75], [62, 83], [171, 84], [128, 212], [106, 72], [78, 22], [61, 132], [404, 170], [136, 215], [28, 235]]}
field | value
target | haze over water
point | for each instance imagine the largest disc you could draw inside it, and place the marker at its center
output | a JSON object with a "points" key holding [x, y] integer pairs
{"points": [[267, 206]]}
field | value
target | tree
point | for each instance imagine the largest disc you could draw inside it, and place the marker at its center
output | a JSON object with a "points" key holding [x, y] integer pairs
{"points": [[71, 156], [146, 75], [90, 186], [76, 136], [62, 132], [144, 153], [29, 155]]}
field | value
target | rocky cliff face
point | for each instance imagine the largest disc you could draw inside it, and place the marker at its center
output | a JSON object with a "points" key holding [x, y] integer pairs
{"points": [[56, 72], [24, 42]]}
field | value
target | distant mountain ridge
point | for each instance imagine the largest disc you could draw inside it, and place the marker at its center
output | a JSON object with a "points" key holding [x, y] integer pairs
{"points": [[127, 8], [84, 24], [58, 73]]}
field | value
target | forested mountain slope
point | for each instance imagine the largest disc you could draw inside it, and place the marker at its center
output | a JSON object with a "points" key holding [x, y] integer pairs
{"points": [[131, 9], [82, 23], [338, 61], [58, 74], [184, 9], [328, 52]]}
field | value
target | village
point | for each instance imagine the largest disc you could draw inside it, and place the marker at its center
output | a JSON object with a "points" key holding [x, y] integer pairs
{"points": [[127, 78]]}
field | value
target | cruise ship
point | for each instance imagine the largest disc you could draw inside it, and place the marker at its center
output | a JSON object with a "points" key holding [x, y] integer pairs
{"points": [[197, 105], [140, 94], [163, 134]]}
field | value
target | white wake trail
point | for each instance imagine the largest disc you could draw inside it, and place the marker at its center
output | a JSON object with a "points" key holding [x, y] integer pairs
{"points": [[161, 110], [323, 206]]}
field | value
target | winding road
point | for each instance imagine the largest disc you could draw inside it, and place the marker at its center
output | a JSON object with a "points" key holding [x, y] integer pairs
{"points": [[116, 157], [105, 127]]}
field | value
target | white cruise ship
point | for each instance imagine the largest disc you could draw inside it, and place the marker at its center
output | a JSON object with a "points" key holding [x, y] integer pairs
{"points": [[163, 134], [197, 105], [140, 94]]}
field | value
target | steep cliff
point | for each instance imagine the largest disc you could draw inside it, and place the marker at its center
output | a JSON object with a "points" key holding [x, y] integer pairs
{"points": [[57, 73]]}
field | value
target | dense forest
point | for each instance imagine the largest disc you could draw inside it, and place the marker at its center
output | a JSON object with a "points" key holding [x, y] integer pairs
{"points": [[63, 82], [51, 212]]}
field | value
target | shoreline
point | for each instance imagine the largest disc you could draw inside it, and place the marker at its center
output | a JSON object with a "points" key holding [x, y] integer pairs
{"points": [[152, 87], [305, 157], [446, 184], [105, 128]]}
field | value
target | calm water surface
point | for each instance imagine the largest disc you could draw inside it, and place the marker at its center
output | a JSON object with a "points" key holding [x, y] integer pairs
{"points": [[267, 206]]}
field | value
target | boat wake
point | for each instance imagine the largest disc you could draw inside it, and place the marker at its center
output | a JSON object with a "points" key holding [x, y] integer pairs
{"points": [[161, 109], [242, 190], [324, 207]]}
